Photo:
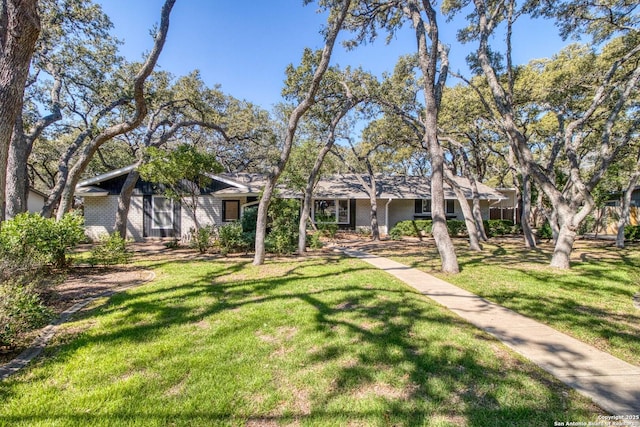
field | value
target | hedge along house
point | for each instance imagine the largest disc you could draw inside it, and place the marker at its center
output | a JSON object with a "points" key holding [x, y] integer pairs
{"points": [[339, 199]]}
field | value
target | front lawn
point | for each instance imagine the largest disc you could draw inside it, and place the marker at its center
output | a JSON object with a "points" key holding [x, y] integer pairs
{"points": [[592, 302], [323, 341]]}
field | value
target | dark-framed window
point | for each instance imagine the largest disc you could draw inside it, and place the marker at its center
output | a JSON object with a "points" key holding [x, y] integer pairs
{"points": [[161, 213], [426, 206], [336, 211], [451, 207], [230, 210]]}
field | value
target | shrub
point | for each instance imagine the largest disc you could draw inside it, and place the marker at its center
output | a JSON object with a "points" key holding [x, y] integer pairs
{"points": [[203, 238], [111, 250], [500, 227], [284, 216], [328, 229], [30, 236], [314, 241], [411, 228], [456, 227], [21, 310], [545, 231], [632, 232], [231, 238], [588, 225]]}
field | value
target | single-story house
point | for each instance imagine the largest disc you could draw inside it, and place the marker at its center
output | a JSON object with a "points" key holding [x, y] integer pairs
{"points": [[340, 199]]}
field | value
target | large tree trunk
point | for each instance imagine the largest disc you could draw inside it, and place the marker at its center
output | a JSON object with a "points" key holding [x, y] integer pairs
{"points": [[305, 214], [373, 194], [124, 203], [525, 215], [563, 247], [294, 118], [433, 82], [17, 185], [19, 30], [472, 230]]}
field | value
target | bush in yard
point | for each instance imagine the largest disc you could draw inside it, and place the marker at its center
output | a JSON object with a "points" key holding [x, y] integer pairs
{"points": [[545, 231], [456, 227], [30, 236], [328, 229], [500, 227], [111, 250], [231, 238], [314, 241], [203, 238], [21, 310], [284, 215], [632, 232], [412, 228]]}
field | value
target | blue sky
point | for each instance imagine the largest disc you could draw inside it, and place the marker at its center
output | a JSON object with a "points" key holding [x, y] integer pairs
{"points": [[245, 45]]}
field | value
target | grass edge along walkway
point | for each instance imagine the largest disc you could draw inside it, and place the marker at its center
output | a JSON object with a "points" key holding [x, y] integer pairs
{"points": [[611, 383]]}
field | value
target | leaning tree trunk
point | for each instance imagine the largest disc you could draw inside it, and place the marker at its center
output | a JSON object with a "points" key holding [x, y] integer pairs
{"points": [[311, 181], [141, 110], [292, 126], [124, 203], [525, 215], [19, 31], [472, 230]]}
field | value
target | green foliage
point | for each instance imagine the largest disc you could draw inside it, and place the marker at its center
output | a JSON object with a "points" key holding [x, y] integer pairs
{"points": [[284, 216], [111, 250], [231, 238], [545, 231], [328, 229], [172, 167], [632, 232], [411, 228], [497, 227], [203, 238], [21, 310], [314, 241], [500, 227], [588, 225], [456, 227], [30, 236]]}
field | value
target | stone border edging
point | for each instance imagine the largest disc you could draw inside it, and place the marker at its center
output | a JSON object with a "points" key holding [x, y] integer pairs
{"points": [[50, 330]]}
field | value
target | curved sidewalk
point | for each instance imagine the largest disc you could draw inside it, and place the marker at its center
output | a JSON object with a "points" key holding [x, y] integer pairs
{"points": [[611, 383]]}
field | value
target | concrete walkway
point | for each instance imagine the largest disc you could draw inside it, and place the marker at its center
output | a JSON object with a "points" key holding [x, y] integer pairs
{"points": [[611, 383]]}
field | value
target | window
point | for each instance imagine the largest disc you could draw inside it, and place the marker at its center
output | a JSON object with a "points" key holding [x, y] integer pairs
{"points": [[162, 213], [451, 208], [331, 211], [230, 210], [426, 206]]}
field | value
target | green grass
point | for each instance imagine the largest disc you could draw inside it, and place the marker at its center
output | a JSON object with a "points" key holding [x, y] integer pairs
{"points": [[308, 342], [592, 302]]}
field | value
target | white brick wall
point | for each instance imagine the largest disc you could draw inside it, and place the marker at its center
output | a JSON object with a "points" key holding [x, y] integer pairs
{"points": [[209, 212], [99, 215], [363, 214]]}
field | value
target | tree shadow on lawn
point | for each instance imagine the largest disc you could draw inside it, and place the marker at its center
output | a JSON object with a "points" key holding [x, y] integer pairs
{"points": [[364, 353], [593, 301]]}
